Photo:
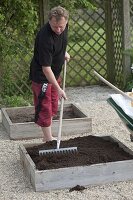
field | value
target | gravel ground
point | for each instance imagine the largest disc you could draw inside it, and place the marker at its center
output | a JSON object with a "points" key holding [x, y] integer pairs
{"points": [[14, 185]]}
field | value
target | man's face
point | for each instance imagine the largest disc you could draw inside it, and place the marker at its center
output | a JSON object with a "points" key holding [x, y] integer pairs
{"points": [[58, 26]]}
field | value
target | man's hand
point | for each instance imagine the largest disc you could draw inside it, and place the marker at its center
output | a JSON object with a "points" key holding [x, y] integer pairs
{"points": [[67, 56], [62, 94]]}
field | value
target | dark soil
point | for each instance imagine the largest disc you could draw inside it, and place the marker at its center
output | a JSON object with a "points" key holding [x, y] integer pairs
{"points": [[91, 150], [77, 188], [28, 116]]}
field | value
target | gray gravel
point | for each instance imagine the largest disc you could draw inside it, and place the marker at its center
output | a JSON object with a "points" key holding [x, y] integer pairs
{"points": [[14, 185]]}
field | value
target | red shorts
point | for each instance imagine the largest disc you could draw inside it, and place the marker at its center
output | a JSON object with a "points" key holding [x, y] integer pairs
{"points": [[46, 104]]}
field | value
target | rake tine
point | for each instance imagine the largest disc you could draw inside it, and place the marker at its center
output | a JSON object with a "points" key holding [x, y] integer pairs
{"points": [[58, 151]]}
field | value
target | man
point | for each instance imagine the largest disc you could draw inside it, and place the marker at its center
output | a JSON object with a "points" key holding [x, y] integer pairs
{"points": [[46, 65]]}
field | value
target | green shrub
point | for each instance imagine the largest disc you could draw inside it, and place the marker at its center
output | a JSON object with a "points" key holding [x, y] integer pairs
{"points": [[129, 84], [15, 101]]}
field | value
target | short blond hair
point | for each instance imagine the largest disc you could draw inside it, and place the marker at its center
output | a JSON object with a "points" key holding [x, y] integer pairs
{"points": [[58, 12]]}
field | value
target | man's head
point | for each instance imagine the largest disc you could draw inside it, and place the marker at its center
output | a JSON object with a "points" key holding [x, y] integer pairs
{"points": [[58, 18]]}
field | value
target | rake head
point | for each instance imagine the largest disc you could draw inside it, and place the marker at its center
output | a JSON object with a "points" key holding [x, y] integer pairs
{"points": [[58, 151]]}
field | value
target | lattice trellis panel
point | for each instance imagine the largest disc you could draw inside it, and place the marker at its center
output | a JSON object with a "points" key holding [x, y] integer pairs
{"points": [[131, 22], [86, 47], [16, 69], [117, 30]]}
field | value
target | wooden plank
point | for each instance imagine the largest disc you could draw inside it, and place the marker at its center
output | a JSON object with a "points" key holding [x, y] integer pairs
{"points": [[28, 165], [84, 175], [78, 112], [5, 120], [27, 130], [73, 126]]}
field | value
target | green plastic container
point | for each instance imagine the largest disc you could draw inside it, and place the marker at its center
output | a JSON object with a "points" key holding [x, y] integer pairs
{"points": [[128, 121]]}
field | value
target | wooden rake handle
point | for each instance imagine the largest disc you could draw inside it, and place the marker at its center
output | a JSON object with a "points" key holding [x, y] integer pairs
{"points": [[112, 86], [61, 108]]}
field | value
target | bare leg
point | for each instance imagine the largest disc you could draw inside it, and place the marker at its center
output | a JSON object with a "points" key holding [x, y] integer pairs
{"points": [[47, 135]]}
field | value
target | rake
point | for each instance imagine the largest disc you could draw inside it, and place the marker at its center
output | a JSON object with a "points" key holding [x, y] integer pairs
{"points": [[59, 150], [112, 86]]}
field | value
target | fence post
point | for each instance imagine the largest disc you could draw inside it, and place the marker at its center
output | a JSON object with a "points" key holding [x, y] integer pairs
{"points": [[109, 42], [126, 39], [43, 11]]}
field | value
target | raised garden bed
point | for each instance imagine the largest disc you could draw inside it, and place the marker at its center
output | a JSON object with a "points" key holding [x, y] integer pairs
{"points": [[99, 160], [19, 122]]}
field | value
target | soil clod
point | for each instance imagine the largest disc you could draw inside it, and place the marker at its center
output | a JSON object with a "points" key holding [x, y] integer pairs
{"points": [[77, 188]]}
